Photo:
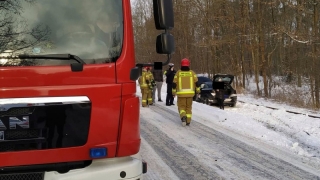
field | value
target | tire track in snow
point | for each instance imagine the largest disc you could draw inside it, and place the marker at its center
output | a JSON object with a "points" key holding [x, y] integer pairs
{"points": [[237, 156], [157, 169], [184, 164]]}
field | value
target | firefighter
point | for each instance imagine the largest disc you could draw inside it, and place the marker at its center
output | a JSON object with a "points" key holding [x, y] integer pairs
{"points": [[145, 84], [151, 84], [184, 84]]}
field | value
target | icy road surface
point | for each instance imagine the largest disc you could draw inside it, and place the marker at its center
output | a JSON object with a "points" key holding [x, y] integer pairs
{"points": [[206, 151]]}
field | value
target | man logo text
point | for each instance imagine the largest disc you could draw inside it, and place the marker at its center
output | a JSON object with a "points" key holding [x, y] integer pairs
{"points": [[14, 123]]}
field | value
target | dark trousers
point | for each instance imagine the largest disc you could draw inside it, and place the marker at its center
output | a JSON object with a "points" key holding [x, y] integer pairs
{"points": [[220, 103], [169, 98]]}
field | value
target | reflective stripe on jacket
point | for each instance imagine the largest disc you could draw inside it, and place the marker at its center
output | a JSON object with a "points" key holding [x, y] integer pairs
{"points": [[186, 83], [142, 80], [149, 75]]}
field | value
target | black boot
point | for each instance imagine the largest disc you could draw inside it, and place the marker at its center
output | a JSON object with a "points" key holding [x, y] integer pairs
{"points": [[167, 100], [171, 102], [184, 120]]}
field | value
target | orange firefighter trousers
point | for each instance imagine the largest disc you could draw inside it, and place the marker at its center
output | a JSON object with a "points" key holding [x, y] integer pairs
{"points": [[146, 96], [185, 107]]}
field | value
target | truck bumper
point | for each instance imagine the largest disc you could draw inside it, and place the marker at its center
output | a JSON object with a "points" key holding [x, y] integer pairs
{"points": [[127, 168]]}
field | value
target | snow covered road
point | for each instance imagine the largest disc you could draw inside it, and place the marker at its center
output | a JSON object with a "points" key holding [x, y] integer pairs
{"points": [[209, 151]]}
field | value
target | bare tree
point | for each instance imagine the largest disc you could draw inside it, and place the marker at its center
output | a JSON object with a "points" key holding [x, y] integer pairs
{"points": [[15, 33], [264, 38]]}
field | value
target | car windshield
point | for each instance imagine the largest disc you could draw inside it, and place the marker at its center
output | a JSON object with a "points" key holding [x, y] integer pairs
{"points": [[92, 30]]}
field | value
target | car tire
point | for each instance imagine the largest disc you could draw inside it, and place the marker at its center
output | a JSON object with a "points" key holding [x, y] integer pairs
{"points": [[207, 102], [194, 98]]}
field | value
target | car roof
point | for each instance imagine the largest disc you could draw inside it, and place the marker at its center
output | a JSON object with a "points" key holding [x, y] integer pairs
{"points": [[203, 79]]}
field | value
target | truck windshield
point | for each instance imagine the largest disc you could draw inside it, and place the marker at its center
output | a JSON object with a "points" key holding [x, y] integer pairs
{"points": [[92, 30]]}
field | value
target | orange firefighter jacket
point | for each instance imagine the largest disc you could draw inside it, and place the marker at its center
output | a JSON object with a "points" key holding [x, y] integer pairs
{"points": [[145, 79], [142, 80], [185, 83]]}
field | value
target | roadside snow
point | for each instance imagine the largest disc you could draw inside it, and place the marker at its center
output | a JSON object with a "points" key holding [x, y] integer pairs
{"points": [[292, 132]]}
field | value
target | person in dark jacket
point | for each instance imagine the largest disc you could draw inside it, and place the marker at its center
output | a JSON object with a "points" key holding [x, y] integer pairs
{"points": [[220, 97], [158, 78], [170, 73]]}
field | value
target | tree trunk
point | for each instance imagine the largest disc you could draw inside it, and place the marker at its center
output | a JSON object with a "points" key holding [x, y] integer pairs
{"points": [[256, 70], [314, 51]]}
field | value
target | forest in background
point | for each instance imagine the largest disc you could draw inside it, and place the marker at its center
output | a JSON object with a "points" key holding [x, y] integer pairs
{"points": [[275, 43]]}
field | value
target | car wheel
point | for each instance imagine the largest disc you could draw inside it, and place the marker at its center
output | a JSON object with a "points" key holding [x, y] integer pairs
{"points": [[207, 101]]}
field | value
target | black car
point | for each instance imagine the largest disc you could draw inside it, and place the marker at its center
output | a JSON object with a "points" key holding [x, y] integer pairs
{"points": [[230, 96], [207, 94], [203, 79], [205, 90]]}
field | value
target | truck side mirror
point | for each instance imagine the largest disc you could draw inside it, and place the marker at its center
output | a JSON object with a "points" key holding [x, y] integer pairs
{"points": [[163, 14], [135, 73], [165, 43], [163, 18]]}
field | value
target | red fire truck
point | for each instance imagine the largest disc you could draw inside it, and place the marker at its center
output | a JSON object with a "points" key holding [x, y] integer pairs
{"points": [[68, 104]]}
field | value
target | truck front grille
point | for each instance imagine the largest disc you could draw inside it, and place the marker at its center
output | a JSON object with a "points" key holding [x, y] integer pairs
{"points": [[22, 176], [22, 134], [7, 147], [17, 111], [44, 127], [23, 139]]}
